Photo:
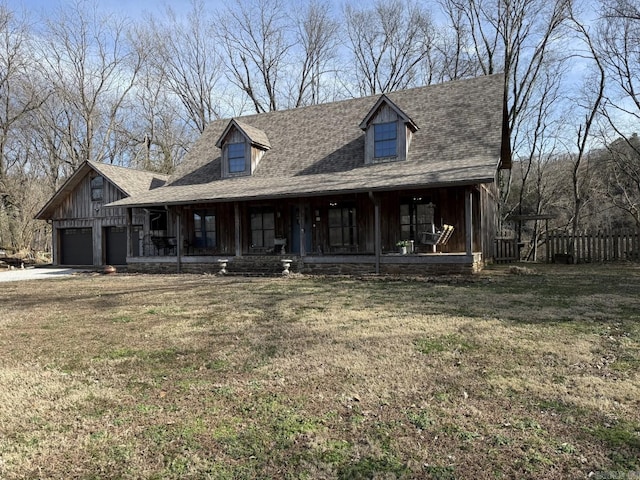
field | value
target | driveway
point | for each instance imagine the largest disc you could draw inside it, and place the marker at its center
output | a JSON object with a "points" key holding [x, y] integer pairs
{"points": [[35, 274]]}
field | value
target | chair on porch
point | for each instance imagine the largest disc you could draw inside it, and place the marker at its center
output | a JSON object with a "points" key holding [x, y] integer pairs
{"points": [[437, 238], [166, 245]]}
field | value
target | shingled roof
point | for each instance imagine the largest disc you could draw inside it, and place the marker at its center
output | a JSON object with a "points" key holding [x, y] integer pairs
{"points": [[129, 181], [319, 149]]}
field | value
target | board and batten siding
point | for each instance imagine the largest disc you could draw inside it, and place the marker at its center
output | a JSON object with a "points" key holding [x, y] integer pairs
{"points": [[77, 210], [386, 114]]}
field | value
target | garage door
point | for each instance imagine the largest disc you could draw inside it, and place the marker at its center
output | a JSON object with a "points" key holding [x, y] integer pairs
{"points": [[116, 245], [76, 246]]}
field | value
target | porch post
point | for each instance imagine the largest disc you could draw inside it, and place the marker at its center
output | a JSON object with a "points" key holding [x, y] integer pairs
{"points": [[129, 222], [236, 211], [178, 242], [301, 232], [376, 227], [468, 220]]}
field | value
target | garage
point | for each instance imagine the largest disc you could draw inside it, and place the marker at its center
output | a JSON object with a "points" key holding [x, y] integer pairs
{"points": [[76, 246], [116, 245]]}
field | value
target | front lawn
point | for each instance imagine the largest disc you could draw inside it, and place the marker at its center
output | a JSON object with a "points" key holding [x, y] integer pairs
{"points": [[501, 375]]}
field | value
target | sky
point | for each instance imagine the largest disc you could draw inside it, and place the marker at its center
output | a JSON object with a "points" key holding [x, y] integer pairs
{"points": [[130, 8]]}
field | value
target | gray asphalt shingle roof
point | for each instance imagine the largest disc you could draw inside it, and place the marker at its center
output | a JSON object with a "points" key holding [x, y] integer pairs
{"points": [[130, 181], [320, 149]]}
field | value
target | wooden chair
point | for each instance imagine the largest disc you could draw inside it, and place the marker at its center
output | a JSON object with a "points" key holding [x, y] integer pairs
{"points": [[440, 237]]}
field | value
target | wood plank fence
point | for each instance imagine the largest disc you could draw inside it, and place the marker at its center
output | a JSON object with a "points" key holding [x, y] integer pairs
{"points": [[588, 247], [506, 250], [585, 247]]}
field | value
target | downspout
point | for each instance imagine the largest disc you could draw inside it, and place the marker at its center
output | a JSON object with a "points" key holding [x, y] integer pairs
{"points": [[376, 230]]}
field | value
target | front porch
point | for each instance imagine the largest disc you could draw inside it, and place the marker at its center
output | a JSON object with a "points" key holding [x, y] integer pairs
{"points": [[348, 234]]}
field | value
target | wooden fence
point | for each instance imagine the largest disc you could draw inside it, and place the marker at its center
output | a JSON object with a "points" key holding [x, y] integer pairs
{"points": [[506, 250], [585, 247]]}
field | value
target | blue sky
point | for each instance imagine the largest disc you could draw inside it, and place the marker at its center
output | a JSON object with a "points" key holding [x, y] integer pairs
{"points": [[131, 8]]}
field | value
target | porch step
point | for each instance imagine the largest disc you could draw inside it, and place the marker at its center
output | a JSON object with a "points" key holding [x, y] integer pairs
{"points": [[257, 265]]}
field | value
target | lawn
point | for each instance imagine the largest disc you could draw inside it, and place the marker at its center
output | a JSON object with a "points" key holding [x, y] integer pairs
{"points": [[499, 375]]}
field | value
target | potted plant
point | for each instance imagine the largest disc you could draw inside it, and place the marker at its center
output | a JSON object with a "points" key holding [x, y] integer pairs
{"points": [[402, 245]]}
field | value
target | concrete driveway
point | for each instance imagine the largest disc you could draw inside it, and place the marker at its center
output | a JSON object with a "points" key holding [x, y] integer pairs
{"points": [[35, 273]]}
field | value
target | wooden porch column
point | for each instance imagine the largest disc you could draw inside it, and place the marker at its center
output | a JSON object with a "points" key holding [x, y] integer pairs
{"points": [[178, 242], [468, 220], [236, 211], [301, 231], [129, 223], [376, 227]]}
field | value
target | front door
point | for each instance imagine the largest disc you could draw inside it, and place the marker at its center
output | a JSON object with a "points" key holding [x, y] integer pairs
{"points": [[295, 231]]}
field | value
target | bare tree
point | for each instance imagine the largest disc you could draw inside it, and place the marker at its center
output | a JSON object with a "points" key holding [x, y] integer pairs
{"points": [[589, 105], [619, 42], [388, 44], [316, 35], [92, 66], [257, 41], [19, 93], [516, 37], [185, 55]]}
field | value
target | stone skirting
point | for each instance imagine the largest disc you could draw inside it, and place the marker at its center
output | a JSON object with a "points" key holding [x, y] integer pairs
{"points": [[271, 265]]}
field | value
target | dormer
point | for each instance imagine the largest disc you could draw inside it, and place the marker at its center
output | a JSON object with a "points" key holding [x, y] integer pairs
{"points": [[388, 132], [242, 148]]}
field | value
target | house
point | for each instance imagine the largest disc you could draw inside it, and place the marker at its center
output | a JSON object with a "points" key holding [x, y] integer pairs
{"points": [[85, 232], [334, 188]]}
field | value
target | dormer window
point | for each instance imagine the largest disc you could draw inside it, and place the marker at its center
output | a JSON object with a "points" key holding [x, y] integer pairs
{"points": [[388, 132], [236, 157], [385, 139], [242, 148]]}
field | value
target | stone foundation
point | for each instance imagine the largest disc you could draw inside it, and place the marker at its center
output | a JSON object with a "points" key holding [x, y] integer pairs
{"points": [[271, 265]]}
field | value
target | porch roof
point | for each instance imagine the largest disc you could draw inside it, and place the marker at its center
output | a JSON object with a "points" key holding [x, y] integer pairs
{"points": [[319, 150]]}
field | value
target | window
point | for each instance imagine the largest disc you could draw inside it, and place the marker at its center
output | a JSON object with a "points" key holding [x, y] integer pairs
{"points": [[385, 139], [342, 227], [416, 216], [235, 153], [263, 227], [96, 188], [204, 229], [158, 222]]}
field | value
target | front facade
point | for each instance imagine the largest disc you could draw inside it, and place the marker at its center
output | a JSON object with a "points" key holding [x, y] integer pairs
{"points": [[336, 188]]}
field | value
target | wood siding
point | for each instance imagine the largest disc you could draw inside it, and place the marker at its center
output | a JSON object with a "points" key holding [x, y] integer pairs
{"points": [[386, 114], [78, 210]]}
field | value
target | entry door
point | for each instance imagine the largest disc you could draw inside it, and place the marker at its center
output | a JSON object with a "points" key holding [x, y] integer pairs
{"points": [[295, 231], [116, 245]]}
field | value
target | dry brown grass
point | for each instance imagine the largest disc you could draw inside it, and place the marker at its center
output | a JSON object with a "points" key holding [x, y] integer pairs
{"points": [[495, 376]]}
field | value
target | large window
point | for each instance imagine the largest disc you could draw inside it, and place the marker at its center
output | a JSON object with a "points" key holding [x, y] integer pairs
{"points": [[342, 226], [236, 156], [263, 227], [385, 139], [416, 216], [97, 184], [204, 226]]}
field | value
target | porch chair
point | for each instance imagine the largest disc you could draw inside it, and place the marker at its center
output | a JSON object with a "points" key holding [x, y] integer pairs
{"points": [[440, 237]]}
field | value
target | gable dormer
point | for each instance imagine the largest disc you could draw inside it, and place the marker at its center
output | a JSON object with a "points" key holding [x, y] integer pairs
{"points": [[388, 132], [242, 148]]}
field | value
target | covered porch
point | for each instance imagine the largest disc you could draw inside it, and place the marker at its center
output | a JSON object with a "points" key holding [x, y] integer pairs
{"points": [[356, 233]]}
